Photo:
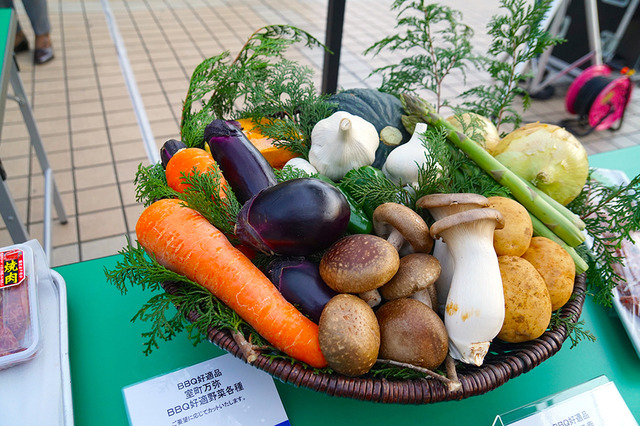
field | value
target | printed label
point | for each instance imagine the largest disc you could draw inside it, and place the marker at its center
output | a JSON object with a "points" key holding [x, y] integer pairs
{"points": [[224, 390], [12, 267]]}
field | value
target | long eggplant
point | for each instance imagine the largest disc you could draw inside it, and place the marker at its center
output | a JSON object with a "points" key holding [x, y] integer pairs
{"points": [[296, 217], [168, 150], [299, 281], [242, 165]]}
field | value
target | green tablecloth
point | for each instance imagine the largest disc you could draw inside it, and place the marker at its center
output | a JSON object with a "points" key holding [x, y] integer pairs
{"points": [[106, 355]]}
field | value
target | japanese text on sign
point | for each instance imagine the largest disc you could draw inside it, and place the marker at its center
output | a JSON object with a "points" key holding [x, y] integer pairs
{"points": [[11, 267], [204, 389], [208, 393]]}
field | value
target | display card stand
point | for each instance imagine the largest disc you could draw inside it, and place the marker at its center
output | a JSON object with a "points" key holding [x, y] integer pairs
{"points": [[8, 208], [594, 403]]}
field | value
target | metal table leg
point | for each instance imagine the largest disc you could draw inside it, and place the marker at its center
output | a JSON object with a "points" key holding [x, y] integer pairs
{"points": [[51, 193], [9, 211]]}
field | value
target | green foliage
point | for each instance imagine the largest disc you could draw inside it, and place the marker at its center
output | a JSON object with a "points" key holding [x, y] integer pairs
{"points": [[289, 173], [151, 184], [291, 105], [203, 195], [575, 329], [517, 38], [432, 41], [372, 189], [610, 214], [463, 174], [167, 312], [255, 84]]}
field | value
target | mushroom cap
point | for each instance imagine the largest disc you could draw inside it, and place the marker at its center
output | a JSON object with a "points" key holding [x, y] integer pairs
{"points": [[417, 272], [414, 230], [358, 263], [465, 217], [441, 205], [413, 333], [349, 335]]}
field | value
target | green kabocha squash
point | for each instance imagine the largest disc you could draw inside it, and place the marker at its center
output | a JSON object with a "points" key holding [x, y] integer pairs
{"points": [[378, 108]]}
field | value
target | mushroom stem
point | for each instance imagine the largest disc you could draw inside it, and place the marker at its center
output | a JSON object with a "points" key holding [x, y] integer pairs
{"points": [[428, 296], [443, 283], [451, 384], [247, 348], [372, 297], [396, 239], [452, 373]]}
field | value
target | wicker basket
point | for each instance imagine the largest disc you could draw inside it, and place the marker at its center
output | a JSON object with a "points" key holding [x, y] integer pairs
{"points": [[504, 362]]}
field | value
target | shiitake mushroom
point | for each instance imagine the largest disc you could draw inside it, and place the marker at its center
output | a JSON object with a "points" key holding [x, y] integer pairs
{"points": [[412, 333], [349, 335]]}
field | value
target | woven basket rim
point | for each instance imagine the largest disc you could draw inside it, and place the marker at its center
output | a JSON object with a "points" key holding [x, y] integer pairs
{"points": [[504, 362]]}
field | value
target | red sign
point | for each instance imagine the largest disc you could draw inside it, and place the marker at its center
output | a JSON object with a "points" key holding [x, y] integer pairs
{"points": [[11, 267]]}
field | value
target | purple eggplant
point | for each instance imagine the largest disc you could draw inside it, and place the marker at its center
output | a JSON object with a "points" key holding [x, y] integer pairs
{"points": [[296, 217], [300, 283], [243, 166], [168, 150]]}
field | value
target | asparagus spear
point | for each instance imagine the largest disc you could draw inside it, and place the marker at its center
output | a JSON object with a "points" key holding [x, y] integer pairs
{"points": [[535, 204], [573, 218]]}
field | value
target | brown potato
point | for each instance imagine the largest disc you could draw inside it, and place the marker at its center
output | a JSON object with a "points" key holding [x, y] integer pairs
{"points": [[526, 299], [513, 239], [556, 267]]}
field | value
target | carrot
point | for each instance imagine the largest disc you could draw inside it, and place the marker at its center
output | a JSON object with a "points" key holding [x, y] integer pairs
{"points": [[182, 164], [183, 241]]}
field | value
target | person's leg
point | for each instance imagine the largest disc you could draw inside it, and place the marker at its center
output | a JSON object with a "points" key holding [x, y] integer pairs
{"points": [[39, 17]]}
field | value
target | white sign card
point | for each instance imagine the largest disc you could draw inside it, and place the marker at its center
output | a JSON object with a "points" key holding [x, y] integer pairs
{"points": [[600, 406], [221, 391]]}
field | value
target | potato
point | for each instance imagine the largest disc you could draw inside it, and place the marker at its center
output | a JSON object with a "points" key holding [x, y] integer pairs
{"points": [[513, 239], [526, 299], [556, 267]]}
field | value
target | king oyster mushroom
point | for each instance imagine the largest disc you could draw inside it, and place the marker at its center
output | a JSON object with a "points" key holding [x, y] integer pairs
{"points": [[440, 206], [475, 308]]}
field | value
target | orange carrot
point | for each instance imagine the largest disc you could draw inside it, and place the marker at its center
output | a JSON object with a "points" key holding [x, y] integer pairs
{"points": [[183, 241], [182, 164]]}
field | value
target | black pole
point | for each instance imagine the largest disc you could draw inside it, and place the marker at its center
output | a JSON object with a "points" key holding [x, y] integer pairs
{"points": [[335, 21]]}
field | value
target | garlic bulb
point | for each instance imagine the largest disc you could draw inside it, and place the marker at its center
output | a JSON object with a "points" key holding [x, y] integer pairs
{"points": [[404, 162], [342, 142], [475, 308]]}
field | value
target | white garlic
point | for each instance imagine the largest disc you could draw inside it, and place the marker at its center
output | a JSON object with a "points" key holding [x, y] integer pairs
{"points": [[404, 162], [342, 142]]}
